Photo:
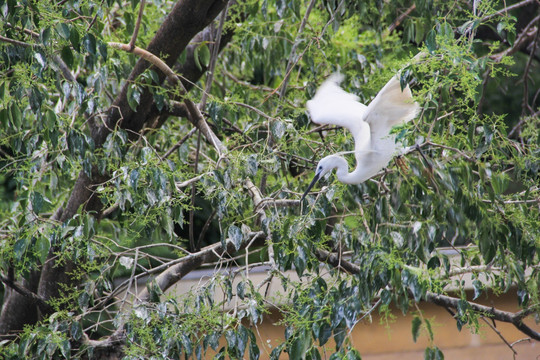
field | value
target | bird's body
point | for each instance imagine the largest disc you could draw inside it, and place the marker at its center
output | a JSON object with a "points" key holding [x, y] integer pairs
{"points": [[370, 126]]}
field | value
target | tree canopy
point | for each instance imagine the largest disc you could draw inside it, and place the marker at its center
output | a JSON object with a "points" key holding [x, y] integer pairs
{"points": [[141, 141]]}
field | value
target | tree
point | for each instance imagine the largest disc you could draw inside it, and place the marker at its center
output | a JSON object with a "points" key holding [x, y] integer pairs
{"points": [[146, 140]]}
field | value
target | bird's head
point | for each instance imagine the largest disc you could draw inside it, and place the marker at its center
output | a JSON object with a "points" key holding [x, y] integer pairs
{"points": [[325, 165]]}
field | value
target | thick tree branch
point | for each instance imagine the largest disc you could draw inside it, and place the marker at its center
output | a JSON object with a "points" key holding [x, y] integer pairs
{"points": [[515, 319], [35, 298], [195, 115], [190, 262]]}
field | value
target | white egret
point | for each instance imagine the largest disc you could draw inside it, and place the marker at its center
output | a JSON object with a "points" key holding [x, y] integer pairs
{"points": [[370, 126]]}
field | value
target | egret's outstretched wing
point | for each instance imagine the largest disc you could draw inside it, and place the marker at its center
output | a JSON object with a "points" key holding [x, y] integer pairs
{"points": [[390, 107], [332, 105]]}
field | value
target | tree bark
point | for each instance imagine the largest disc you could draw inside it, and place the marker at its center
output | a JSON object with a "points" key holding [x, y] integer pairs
{"points": [[23, 309]]}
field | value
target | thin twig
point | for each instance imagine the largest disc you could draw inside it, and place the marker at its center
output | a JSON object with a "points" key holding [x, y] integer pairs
{"points": [[400, 18], [292, 57], [256, 197], [525, 105], [467, 157], [499, 334], [179, 143], [15, 42], [259, 112], [193, 193], [137, 25], [215, 52]]}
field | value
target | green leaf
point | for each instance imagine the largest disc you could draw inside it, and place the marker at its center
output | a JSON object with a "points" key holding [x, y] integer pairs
{"points": [[230, 336], [429, 329], [325, 332], [65, 348], [353, 354], [197, 59], [16, 115], [235, 235], [523, 297], [83, 300], [478, 288], [511, 37], [35, 98], [75, 40], [67, 56], [299, 346], [102, 48], [499, 183], [20, 248], [42, 248], [241, 340], [134, 179], [431, 41], [37, 202], [314, 354], [254, 352], [240, 290], [89, 43], [446, 31], [277, 128], [63, 30], [4, 118], [433, 354], [76, 330], [300, 260], [275, 354], [213, 340], [154, 291], [339, 336], [416, 322], [252, 164], [45, 36], [434, 262], [133, 97], [186, 342], [254, 312], [204, 55]]}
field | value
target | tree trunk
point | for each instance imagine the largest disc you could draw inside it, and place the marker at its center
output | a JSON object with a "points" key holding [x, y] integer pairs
{"points": [[186, 19]]}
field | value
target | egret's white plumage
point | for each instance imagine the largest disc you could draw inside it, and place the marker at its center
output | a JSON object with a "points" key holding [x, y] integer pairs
{"points": [[370, 126]]}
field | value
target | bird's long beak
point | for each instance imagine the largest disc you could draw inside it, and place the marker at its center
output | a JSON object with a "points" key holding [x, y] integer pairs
{"points": [[313, 182]]}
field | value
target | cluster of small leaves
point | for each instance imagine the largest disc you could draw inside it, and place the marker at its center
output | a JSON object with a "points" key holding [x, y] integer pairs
{"points": [[196, 325], [47, 341]]}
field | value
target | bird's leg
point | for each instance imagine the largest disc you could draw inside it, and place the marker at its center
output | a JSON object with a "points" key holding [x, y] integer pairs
{"points": [[429, 167], [400, 162]]}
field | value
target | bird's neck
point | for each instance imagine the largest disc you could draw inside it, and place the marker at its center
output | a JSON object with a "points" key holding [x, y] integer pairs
{"points": [[343, 174]]}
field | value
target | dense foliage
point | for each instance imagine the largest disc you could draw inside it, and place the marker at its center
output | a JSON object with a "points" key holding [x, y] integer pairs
{"points": [[110, 174]]}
